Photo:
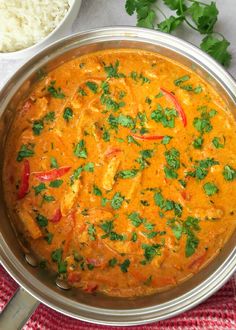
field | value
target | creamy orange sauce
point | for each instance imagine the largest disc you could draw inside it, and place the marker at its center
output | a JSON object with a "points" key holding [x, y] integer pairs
{"points": [[120, 172]]}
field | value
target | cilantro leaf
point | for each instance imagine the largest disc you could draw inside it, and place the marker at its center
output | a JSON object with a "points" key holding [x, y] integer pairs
{"points": [[210, 188], [229, 173], [26, 151], [150, 251], [92, 86], [53, 162], [135, 218], [127, 174], [80, 150], [170, 24], [56, 183], [112, 71], [117, 201], [125, 265], [205, 16], [96, 191], [92, 232], [55, 92], [68, 114], [38, 189], [37, 127], [217, 48], [112, 262], [42, 221], [217, 144]]}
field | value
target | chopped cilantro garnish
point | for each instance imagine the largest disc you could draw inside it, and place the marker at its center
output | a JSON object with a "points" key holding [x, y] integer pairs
{"points": [[167, 204], [56, 183], [160, 94], [82, 92], [112, 262], [164, 116], [112, 71], [126, 121], [92, 86], [55, 92], [217, 144], [134, 237], [106, 136], [56, 256], [180, 80], [144, 155], [125, 265], [136, 219], [110, 103], [210, 188], [38, 127], [49, 117], [150, 251], [96, 191], [203, 124], [172, 158], [92, 232], [80, 150], [108, 227], [26, 151], [38, 189], [89, 167], [198, 142], [113, 122], [53, 162], [229, 173], [127, 174], [187, 227], [48, 237], [48, 198], [68, 114], [202, 168], [170, 173], [42, 221], [166, 139], [117, 201], [176, 226]]}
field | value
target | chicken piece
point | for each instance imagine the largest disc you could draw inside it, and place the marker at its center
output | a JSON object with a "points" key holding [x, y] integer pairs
{"points": [[99, 214], [70, 197], [29, 224], [109, 173], [133, 188]]}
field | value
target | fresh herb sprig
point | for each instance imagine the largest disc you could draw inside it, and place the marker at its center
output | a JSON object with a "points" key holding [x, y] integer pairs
{"points": [[198, 15]]}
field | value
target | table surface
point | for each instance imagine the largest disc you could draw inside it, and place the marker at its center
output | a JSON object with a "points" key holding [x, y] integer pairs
{"points": [[98, 13]]}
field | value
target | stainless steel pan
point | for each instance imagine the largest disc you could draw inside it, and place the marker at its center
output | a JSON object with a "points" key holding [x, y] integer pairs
{"points": [[102, 309]]}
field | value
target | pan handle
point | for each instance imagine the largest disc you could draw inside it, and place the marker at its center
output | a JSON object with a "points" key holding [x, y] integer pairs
{"points": [[18, 310]]}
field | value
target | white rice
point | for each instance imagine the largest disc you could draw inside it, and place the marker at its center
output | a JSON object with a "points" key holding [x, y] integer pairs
{"points": [[25, 22]]}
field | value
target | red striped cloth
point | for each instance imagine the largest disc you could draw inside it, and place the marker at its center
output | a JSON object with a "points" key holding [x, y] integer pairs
{"points": [[217, 313]]}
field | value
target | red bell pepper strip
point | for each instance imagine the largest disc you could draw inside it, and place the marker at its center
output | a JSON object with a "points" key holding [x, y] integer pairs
{"points": [[24, 184], [147, 137], [52, 174], [57, 216], [178, 107]]}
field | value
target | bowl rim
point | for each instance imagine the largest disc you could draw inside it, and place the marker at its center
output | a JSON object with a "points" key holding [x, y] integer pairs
{"points": [[217, 70], [72, 5]]}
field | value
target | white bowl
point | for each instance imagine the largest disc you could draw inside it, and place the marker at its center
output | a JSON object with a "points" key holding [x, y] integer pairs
{"points": [[60, 31]]}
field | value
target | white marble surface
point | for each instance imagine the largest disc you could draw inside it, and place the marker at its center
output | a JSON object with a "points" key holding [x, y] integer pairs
{"points": [[98, 13]]}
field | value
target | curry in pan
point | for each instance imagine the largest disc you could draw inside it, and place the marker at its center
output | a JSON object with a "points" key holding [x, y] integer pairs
{"points": [[120, 170]]}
